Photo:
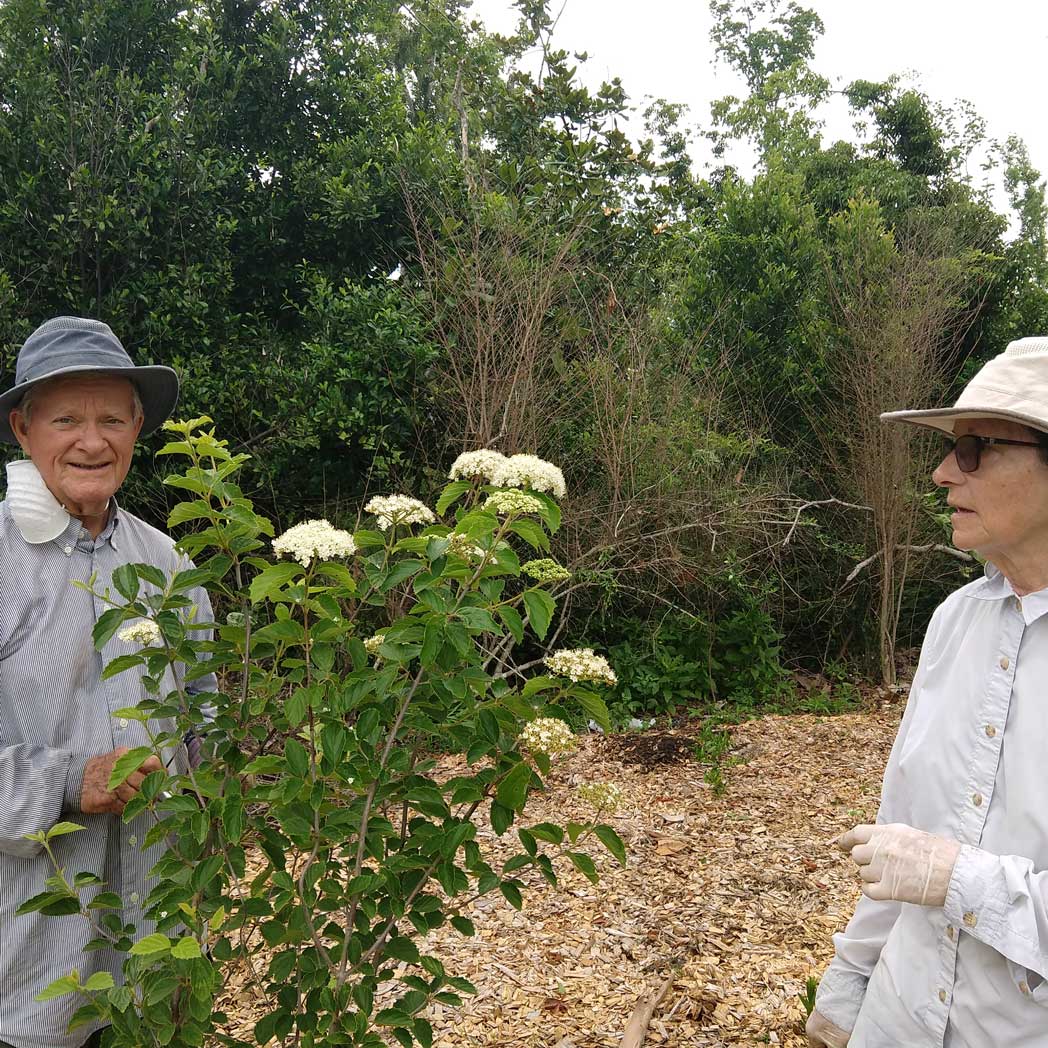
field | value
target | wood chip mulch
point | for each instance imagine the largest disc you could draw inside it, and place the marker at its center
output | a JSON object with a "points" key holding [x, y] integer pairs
{"points": [[726, 903]]}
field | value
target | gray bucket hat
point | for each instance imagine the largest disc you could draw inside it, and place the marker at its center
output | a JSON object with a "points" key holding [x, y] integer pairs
{"points": [[67, 345]]}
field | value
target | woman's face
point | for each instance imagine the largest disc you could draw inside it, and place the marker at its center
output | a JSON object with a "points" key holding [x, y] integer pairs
{"points": [[1000, 509]]}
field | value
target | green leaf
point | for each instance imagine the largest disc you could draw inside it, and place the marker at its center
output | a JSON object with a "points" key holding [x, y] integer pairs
{"points": [[61, 828], [191, 578], [451, 494], [423, 1033], [296, 706], [54, 903], [513, 790], [150, 945], [534, 685], [547, 831], [402, 949], [463, 925], [121, 663], [584, 864], [540, 607], [512, 621], [59, 988], [489, 727], [531, 533], [127, 764], [512, 894], [125, 578], [105, 901], [151, 573], [501, 817], [594, 705], [186, 949], [282, 630], [297, 757], [100, 981], [108, 623], [391, 1017], [271, 580], [612, 841], [479, 619], [432, 643], [399, 572], [550, 512], [194, 509]]}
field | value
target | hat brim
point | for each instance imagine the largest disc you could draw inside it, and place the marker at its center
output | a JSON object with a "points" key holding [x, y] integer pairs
{"points": [[944, 419], [157, 389]]}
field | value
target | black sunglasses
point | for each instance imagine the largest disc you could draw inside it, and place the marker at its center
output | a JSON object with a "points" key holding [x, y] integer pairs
{"points": [[969, 448]]}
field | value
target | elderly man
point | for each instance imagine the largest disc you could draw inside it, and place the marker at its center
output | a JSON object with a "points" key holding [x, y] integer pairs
{"points": [[76, 409], [949, 946]]}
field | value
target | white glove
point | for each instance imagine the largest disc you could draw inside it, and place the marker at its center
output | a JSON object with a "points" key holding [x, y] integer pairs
{"points": [[898, 862], [823, 1034]]}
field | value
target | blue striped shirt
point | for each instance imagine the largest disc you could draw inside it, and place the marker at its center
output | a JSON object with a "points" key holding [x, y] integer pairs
{"points": [[55, 714]]}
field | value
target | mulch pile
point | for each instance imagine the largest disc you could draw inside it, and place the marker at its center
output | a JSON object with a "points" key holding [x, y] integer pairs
{"points": [[727, 904]]}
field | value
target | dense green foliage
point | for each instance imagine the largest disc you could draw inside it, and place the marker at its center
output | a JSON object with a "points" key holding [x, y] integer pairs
{"points": [[370, 233]]}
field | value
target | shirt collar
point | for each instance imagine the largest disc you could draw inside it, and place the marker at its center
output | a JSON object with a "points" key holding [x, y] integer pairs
{"points": [[994, 585], [75, 531]]}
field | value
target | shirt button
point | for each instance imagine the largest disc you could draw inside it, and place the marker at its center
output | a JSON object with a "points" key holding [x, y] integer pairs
{"points": [[950, 931], [977, 799], [970, 919], [67, 550], [133, 897], [1024, 988], [123, 723], [942, 996], [1004, 662], [990, 730], [133, 841]]}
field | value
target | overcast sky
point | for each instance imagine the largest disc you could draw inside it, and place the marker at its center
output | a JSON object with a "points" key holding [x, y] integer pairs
{"points": [[991, 52]]}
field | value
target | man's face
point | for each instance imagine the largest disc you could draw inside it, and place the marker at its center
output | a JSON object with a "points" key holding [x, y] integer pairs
{"points": [[80, 435], [1001, 509]]}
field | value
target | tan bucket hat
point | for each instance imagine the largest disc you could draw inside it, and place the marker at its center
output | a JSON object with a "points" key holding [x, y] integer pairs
{"points": [[1013, 386]]}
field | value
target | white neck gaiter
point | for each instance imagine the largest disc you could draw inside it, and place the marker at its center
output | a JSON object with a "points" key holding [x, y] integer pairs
{"points": [[39, 515]]}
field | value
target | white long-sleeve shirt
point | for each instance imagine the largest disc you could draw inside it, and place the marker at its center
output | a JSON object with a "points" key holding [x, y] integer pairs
{"points": [[970, 762]]}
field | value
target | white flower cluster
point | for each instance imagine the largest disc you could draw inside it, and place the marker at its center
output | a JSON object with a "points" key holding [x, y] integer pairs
{"points": [[392, 510], [145, 632], [513, 503], [529, 471], [484, 464], [372, 644], [463, 546], [579, 664], [545, 570], [314, 539], [548, 735], [604, 796]]}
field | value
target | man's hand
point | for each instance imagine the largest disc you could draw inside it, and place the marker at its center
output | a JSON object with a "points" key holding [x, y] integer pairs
{"points": [[95, 796], [823, 1034], [898, 862]]}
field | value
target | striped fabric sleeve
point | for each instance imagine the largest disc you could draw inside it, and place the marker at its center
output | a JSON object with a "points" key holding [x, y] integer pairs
{"points": [[34, 784]]}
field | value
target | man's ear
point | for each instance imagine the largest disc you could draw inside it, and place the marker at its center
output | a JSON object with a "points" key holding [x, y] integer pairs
{"points": [[16, 420]]}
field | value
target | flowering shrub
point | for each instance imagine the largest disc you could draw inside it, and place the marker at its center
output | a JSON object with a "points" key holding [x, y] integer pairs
{"points": [[318, 825]]}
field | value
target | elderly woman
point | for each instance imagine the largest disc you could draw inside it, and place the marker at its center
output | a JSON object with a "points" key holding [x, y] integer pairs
{"points": [[949, 945]]}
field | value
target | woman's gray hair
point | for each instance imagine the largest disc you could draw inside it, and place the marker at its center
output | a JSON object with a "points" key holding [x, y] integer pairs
{"points": [[25, 405]]}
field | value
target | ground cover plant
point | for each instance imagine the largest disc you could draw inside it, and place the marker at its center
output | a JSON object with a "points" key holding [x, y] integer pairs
{"points": [[314, 825]]}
